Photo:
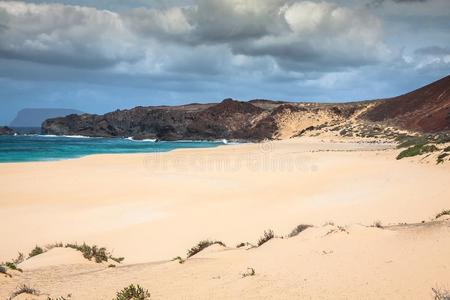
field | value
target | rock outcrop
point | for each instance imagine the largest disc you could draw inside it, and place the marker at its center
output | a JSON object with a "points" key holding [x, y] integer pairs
{"points": [[230, 119], [4, 130], [426, 109]]}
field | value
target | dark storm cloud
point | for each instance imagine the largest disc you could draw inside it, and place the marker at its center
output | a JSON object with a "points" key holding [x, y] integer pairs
{"points": [[100, 55]]}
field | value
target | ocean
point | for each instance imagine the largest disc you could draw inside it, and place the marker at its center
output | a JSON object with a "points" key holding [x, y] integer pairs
{"points": [[23, 148]]}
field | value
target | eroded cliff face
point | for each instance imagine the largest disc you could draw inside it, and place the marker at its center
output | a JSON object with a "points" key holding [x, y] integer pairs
{"points": [[230, 119]]}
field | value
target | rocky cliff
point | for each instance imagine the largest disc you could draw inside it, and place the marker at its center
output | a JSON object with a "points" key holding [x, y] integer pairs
{"points": [[4, 130], [426, 110], [230, 119]]}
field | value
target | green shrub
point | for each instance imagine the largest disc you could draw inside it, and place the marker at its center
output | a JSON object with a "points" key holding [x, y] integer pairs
{"points": [[299, 229], [36, 251], [13, 266], [408, 141], [268, 235], [202, 245], [3, 270], [100, 254], [179, 259], [132, 292], [417, 150]]}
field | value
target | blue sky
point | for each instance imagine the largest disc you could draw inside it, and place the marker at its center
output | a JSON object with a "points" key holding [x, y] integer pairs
{"points": [[98, 56]]}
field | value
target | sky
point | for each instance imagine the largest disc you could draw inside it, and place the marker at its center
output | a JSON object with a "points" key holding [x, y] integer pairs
{"points": [[97, 55]]}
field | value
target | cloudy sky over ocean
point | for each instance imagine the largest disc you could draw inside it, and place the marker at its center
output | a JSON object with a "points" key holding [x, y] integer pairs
{"points": [[98, 56]]}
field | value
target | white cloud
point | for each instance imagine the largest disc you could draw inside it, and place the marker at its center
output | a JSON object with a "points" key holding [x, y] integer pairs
{"points": [[304, 36], [65, 35]]}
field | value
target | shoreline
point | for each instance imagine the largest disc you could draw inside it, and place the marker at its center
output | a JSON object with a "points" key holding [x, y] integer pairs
{"points": [[152, 208]]}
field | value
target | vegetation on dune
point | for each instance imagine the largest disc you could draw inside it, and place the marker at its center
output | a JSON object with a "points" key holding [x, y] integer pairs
{"points": [[4, 271], [20, 258], [132, 292], [443, 213], [268, 235], [377, 224], [12, 266], [201, 246], [36, 251], [100, 254], [298, 229], [60, 298], [440, 294], [422, 144], [179, 259], [24, 289], [249, 272], [440, 158], [417, 150]]}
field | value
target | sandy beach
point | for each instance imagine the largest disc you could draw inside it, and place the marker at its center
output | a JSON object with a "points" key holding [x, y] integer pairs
{"points": [[152, 207]]}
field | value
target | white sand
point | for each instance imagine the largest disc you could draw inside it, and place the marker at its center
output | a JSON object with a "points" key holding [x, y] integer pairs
{"points": [[153, 207]]}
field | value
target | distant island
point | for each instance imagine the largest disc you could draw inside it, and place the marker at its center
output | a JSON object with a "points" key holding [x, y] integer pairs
{"points": [[33, 117]]}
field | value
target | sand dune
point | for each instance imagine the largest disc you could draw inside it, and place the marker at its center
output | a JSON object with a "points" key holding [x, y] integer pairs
{"points": [[150, 208], [324, 262]]}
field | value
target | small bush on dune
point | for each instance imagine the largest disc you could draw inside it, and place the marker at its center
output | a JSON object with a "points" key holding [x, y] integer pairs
{"points": [[377, 224], [179, 259], [100, 254], [36, 251], [133, 292], [54, 245], [13, 266], [117, 259], [417, 150], [24, 289], [202, 245], [4, 271], [249, 272], [440, 158], [439, 294], [443, 213], [299, 229], [268, 235], [20, 258]]}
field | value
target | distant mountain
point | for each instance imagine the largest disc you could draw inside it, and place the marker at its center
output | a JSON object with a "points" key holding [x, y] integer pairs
{"points": [[33, 117], [426, 109]]}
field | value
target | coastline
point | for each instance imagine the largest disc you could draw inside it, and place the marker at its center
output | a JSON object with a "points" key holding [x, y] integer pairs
{"points": [[151, 208], [194, 184]]}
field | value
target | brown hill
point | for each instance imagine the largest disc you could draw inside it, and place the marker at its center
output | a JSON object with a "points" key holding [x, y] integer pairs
{"points": [[426, 109]]}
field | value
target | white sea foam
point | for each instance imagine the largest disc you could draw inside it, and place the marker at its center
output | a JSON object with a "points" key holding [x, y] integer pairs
{"points": [[144, 140]]}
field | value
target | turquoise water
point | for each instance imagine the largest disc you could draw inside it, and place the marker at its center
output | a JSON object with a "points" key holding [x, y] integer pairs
{"points": [[23, 148]]}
